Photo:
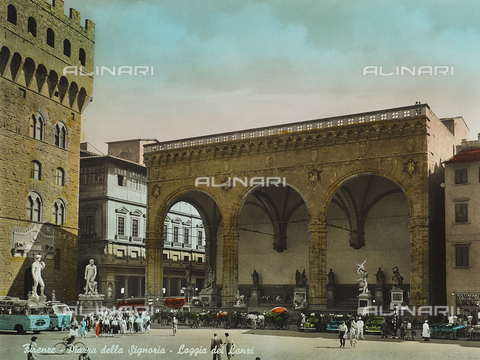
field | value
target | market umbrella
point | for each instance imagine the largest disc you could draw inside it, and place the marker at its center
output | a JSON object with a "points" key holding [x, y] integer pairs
{"points": [[279, 310]]}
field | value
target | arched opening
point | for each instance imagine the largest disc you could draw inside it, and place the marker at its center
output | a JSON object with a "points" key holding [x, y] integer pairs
{"points": [[32, 26], [40, 76], [50, 37], [191, 232], [66, 47], [273, 242], [12, 14], [82, 56], [367, 219]]}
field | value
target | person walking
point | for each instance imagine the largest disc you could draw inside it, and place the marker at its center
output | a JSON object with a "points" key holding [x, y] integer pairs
{"points": [[384, 329], [353, 333], [228, 345], [83, 329], [360, 326], [174, 325], [216, 347], [33, 349], [342, 328], [426, 331]]}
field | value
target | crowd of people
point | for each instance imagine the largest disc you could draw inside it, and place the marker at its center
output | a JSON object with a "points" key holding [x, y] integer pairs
{"points": [[111, 322]]}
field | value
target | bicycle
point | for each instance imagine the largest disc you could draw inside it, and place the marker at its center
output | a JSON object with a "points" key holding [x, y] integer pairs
{"points": [[77, 348]]}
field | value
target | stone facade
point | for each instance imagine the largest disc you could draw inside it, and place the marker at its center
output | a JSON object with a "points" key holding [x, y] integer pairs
{"points": [[40, 128], [462, 206], [324, 163], [112, 221]]}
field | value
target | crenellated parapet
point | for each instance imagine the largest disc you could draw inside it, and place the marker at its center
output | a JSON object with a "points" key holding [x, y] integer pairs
{"points": [[41, 43]]}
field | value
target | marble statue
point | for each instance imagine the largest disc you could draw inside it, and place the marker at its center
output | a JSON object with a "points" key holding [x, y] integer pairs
{"points": [[90, 275], [37, 268], [362, 282]]}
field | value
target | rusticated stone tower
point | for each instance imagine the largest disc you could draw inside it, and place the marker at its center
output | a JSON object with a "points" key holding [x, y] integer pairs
{"points": [[40, 129]]}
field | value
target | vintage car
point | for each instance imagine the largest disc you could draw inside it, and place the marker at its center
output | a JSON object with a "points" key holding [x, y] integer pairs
{"points": [[315, 323], [450, 331], [374, 325], [334, 323]]}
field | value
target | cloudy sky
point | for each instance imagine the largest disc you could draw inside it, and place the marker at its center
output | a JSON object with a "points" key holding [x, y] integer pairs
{"points": [[225, 65]]}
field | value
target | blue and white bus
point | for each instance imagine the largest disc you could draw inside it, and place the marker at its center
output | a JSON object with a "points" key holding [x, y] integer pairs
{"points": [[22, 316]]}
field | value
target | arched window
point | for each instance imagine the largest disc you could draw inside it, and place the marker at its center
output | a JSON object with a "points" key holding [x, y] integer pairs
{"points": [[60, 135], [12, 14], [82, 56], [60, 177], [50, 37], [36, 170], [32, 26], [37, 126], [66, 47], [59, 212], [34, 207]]}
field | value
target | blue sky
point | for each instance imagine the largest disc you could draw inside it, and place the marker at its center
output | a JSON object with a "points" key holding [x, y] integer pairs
{"points": [[230, 65]]}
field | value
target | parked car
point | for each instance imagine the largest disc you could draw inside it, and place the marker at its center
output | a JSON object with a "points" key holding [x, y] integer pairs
{"points": [[315, 323], [374, 325], [334, 323]]}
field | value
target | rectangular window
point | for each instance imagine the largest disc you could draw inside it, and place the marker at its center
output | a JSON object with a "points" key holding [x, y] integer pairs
{"points": [[461, 255], [134, 227], [121, 177], [461, 176], [175, 234], [165, 256], [121, 226], [186, 235], [461, 213], [90, 225], [199, 237], [91, 175]]}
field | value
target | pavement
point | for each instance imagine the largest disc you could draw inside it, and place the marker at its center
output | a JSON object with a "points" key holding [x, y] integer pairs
{"points": [[265, 344]]}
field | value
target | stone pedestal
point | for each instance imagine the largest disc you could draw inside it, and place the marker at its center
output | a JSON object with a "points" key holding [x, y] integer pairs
{"points": [[209, 296], [379, 301], [331, 292], [300, 297], [253, 301], [396, 298], [90, 303], [39, 299], [364, 303]]}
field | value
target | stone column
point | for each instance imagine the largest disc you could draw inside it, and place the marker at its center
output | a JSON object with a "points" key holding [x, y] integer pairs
{"points": [[125, 287], [230, 266], [419, 286], [318, 264], [154, 265]]}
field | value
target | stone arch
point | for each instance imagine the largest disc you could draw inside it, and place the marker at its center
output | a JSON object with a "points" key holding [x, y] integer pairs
{"points": [[211, 214], [275, 222], [388, 229]]}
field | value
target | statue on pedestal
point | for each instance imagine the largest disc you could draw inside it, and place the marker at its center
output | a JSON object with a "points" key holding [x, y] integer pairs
{"points": [[380, 278], [301, 279], [397, 279], [362, 282], [37, 268], [256, 280], [90, 275], [331, 280]]}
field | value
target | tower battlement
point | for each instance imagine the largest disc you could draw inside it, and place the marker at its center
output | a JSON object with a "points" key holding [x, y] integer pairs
{"points": [[56, 8], [40, 42]]}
